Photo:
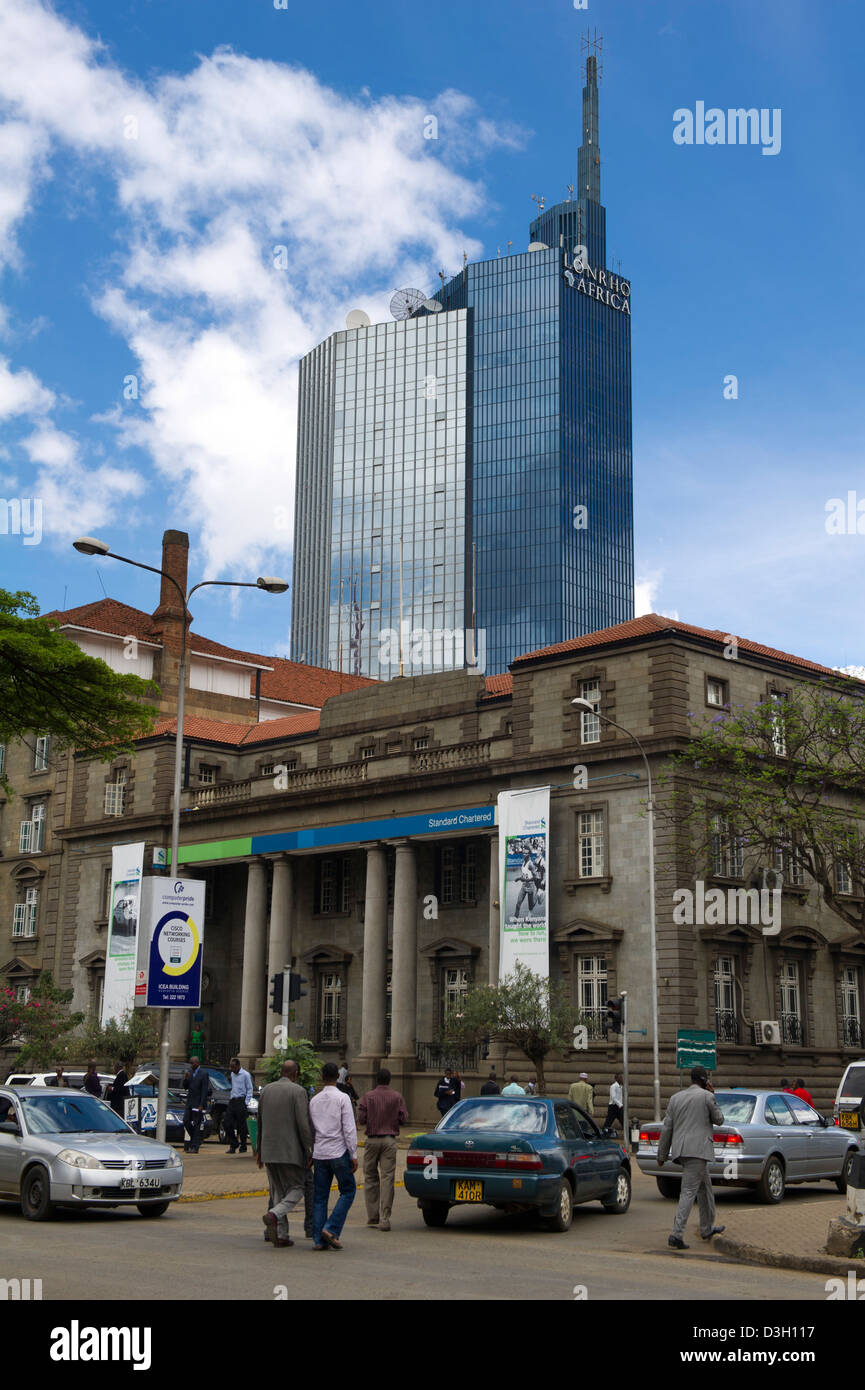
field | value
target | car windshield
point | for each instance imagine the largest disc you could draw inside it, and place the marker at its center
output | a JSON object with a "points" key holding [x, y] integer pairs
{"points": [[737, 1107], [70, 1114], [854, 1086], [519, 1117]]}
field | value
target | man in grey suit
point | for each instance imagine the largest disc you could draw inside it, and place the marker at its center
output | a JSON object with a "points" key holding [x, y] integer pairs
{"points": [[284, 1148], [687, 1137]]}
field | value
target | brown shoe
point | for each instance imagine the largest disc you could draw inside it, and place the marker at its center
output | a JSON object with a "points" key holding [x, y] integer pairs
{"points": [[281, 1243], [330, 1239], [373, 1221], [384, 1225], [270, 1226]]}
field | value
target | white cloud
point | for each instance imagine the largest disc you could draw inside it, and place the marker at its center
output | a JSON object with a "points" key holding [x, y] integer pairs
{"points": [[857, 671], [224, 164], [21, 393], [646, 592]]}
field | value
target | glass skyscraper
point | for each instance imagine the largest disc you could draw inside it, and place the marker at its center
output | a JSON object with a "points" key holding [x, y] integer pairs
{"points": [[494, 438]]}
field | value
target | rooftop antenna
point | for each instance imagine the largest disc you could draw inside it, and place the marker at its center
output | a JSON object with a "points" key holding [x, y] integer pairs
{"points": [[540, 200], [465, 260], [510, 244], [498, 252], [570, 188], [591, 46], [442, 278]]}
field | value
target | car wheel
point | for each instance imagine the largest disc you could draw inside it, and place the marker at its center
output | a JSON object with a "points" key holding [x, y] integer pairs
{"points": [[770, 1188], [843, 1179], [36, 1195], [153, 1208], [564, 1209], [669, 1187], [621, 1198], [435, 1213]]}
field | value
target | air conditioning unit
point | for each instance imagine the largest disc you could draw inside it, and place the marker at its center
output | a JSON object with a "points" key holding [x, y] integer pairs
{"points": [[767, 1032]]}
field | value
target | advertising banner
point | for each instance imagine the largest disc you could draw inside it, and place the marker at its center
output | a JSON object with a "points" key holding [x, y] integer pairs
{"points": [[127, 868], [524, 819], [171, 943]]}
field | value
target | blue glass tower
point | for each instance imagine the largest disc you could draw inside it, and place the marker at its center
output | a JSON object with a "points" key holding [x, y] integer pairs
{"points": [[474, 466]]}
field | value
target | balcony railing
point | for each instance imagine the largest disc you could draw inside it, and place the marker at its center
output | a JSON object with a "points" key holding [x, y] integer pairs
{"points": [[596, 1021], [307, 779], [851, 1031], [433, 1056], [443, 759], [791, 1028], [726, 1025]]}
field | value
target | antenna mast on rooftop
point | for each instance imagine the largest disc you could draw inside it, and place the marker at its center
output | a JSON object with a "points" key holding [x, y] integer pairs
{"points": [[591, 46]]}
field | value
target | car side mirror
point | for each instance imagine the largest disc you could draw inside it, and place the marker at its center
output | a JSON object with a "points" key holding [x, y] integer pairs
{"points": [[9, 1127], [824, 1122]]}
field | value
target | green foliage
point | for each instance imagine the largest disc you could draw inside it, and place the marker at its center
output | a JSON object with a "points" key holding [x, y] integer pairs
{"points": [[786, 776], [132, 1037], [299, 1050], [39, 1024], [525, 1010], [48, 684]]}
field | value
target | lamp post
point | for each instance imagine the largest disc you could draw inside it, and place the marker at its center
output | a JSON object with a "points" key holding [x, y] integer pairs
{"points": [[582, 704], [89, 545]]}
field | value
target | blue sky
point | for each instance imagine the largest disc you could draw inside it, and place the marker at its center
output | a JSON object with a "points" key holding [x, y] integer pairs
{"points": [[152, 155]]}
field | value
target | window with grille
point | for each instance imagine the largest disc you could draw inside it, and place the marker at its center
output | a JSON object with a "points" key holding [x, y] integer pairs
{"points": [[469, 874], [727, 858], [455, 987], [590, 723], [843, 879], [266, 770], [791, 1003], [419, 744], [23, 993], [31, 835], [592, 991], [724, 980], [24, 914], [206, 774], [368, 751], [115, 794], [716, 692], [591, 844], [779, 732], [448, 874], [333, 885], [326, 885], [851, 1007], [40, 757], [789, 864], [330, 1008]]}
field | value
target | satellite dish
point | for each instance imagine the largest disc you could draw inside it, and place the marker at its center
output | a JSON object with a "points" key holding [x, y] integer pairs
{"points": [[406, 302], [432, 306], [356, 318], [538, 246]]}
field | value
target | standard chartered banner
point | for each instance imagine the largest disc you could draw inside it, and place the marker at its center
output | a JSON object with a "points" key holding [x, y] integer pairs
{"points": [[524, 819], [127, 867], [171, 942]]}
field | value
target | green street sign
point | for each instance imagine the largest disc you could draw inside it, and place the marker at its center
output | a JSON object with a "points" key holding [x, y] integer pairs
{"points": [[695, 1047]]}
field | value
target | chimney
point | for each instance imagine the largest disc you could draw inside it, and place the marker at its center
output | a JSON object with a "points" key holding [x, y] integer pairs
{"points": [[169, 615]]}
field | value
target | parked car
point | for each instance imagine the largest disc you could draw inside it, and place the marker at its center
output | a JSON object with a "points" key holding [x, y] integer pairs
{"points": [[517, 1154], [49, 1078], [148, 1095], [776, 1139], [63, 1147], [220, 1092], [850, 1099]]}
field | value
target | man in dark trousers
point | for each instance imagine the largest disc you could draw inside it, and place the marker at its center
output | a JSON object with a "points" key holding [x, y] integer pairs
{"points": [[284, 1149], [236, 1109], [119, 1092], [197, 1084], [687, 1136], [447, 1093]]}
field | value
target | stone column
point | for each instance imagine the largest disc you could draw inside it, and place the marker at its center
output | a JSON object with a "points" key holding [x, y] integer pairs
{"points": [[495, 935], [403, 1039], [279, 946], [374, 957], [181, 1023], [253, 993]]}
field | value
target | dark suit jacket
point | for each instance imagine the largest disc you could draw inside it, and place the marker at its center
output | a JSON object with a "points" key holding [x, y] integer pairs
{"points": [[119, 1092], [199, 1089]]}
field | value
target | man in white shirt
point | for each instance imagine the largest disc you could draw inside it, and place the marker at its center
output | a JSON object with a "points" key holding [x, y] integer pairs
{"points": [[616, 1110], [513, 1088], [334, 1155]]}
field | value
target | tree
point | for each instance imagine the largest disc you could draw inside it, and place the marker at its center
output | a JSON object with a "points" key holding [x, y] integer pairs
{"points": [[39, 1023], [299, 1050], [132, 1037], [50, 686], [782, 783], [525, 1010]]}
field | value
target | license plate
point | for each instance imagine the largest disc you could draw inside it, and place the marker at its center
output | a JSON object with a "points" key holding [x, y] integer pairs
{"points": [[465, 1191], [140, 1182], [849, 1119]]}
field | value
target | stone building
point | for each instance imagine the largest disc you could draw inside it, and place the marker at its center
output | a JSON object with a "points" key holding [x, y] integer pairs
{"points": [[358, 844]]}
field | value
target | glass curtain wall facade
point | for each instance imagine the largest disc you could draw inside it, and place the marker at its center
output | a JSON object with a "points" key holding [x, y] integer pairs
{"points": [[382, 437]]}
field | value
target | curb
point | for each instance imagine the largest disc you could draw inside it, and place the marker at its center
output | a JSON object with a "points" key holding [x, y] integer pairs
{"points": [[777, 1259], [262, 1192]]}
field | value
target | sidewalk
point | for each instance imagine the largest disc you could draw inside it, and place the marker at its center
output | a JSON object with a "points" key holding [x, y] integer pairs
{"points": [[789, 1236]]}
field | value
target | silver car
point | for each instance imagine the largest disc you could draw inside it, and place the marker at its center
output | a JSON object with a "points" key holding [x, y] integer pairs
{"points": [[769, 1139], [66, 1148]]}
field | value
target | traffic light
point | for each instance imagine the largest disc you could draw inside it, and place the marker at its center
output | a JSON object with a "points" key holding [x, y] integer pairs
{"points": [[295, 981], [276, 993], [615, 1009]]}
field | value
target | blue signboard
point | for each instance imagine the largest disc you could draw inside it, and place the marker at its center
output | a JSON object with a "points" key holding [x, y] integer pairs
{"points": [[321, 837], [175, 911]]}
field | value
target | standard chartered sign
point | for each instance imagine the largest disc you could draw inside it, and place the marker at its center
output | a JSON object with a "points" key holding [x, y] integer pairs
{"points": [[597, 283]]}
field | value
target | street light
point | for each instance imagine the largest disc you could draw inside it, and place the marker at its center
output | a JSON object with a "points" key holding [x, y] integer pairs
{"points": [[580, 703], [90, 545]]}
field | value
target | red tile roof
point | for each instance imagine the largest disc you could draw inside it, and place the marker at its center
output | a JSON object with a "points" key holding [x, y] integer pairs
{"points": [[107, 615], [651, 624], [223, 731], [500, 685]]}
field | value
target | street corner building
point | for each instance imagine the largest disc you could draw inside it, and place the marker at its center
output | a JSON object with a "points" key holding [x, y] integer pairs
{"points": [[464, 473], [348, 829]]}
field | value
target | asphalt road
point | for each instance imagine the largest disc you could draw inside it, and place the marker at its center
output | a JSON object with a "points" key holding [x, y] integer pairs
{"points": [[215, 1250]]}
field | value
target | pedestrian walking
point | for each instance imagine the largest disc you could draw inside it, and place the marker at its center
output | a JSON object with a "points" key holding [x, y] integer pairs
{"points": [[513, 1088], [687, 1138], [334, 1155], [58, 1079], [237, 1107], [532, 1086], [284, 1149], [616, 1107], [343, 1072], [447, 1092], [119, 1092], [197, 1083], [382, 1111], [491, 1086], [348, 1089], [799, 1090], [92, 1082], [582, 1093]]}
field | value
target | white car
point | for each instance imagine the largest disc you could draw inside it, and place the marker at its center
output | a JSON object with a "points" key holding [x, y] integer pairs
{"points": [[848, 1109], [49, 1078]]}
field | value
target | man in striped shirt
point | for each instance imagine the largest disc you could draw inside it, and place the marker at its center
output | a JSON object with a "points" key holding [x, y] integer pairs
{"points": [[382, 1111]]}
